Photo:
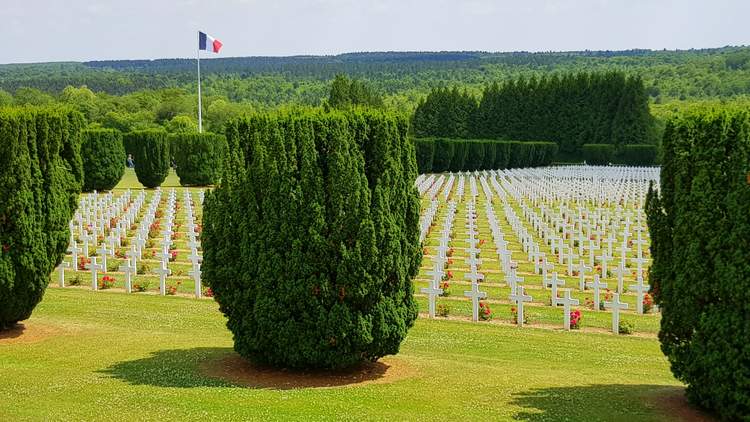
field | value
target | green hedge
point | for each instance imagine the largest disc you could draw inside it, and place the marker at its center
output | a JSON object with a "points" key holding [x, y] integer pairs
{"points": [[598, 154], [425, 155], [103, 157], [199, 157], [444, 150], [637, 155], [151, 155], [700, 244], [311, 239], [482, 154], [41, 175]]}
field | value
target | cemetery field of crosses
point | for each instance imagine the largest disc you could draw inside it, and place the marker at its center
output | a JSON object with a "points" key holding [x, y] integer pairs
{"points": [[558, 246], [136, 242], [536, 247]]}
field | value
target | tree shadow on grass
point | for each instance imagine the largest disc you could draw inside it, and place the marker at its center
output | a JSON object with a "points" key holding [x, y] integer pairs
{"points": [[616, 402], [222, 367]]}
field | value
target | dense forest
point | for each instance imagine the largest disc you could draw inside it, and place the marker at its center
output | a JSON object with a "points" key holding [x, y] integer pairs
{"points": [[141, 94]]}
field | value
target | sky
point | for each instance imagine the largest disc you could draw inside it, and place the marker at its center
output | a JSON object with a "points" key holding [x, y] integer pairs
{"points": [[78, 30]]}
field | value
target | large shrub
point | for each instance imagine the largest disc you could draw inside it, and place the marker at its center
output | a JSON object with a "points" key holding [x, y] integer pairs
{"points": [[41, 175], [598, 154], [199, 157], [103, 159], [700, 243], [151, 154], [311, 238], [637, 155]]}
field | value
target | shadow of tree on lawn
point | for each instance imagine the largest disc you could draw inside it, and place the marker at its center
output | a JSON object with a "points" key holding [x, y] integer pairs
{"points": [[171, 368], [616, 402], [222, 367]]}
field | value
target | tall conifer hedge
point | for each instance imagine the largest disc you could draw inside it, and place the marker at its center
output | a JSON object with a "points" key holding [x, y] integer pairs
{"points": [[199, 157], [700, 243], [151, 155], [103, 157], [311, 238], [41, 175], [481, 154]]}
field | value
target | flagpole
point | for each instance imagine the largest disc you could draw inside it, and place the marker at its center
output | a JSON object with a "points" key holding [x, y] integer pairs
{"points": [[200, 117]]}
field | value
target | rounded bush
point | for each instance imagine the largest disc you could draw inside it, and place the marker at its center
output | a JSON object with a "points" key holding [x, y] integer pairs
{"points": [[151, 155], [41, 175], [103, 157], [199, 157], [311, 238]]}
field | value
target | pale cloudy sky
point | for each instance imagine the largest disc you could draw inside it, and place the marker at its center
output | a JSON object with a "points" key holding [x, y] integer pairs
{"points": [[60, 30]]}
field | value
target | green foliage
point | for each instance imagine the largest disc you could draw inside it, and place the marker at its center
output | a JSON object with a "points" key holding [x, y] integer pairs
{"points": [[199, 157], [444, 150], [182, 124], [445, 113], [598, 154], [607, 108], [637, 155], [311, 239], [425, 151], [41, 176], [151, 155], [103, 157], [346, 93], [700, 244], [483, 154]]}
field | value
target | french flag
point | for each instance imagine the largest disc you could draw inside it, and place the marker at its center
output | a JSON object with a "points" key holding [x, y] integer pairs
{"points": [[208, 43]]}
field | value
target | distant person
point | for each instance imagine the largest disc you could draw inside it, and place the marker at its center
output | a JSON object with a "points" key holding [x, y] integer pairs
{"points": [[173, 164], [130, 162]]}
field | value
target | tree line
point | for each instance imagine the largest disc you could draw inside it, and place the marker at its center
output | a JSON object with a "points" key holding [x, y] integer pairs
{"points": [[570, 110]]}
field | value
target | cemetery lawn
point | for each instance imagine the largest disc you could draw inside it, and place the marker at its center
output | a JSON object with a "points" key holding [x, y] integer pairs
{"points": [[109, 356]]}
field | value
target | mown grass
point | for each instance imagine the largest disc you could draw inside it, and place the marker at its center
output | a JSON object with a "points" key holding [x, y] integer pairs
{"points": [[131, 357]]}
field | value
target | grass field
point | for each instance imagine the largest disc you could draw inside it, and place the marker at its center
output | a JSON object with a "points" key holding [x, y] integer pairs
{"points": [[108, 356]]}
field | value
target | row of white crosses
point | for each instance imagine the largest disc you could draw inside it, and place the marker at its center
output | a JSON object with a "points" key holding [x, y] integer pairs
{"points": [[585, 222], [100, 215], [439, 260], [193, 243], [594, 243]]}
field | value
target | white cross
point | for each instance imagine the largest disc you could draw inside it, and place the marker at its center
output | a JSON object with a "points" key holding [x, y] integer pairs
{"points": [[474, 276], [596, 285], [604, 258], [63, 266], [475, 295], [94, 267], [616, 305], [566, 301], [519, 297], [513, 280], [620, 271], [74, 250], [129, 269], [640, 289], [554, 283], [163, 272], [432, 292], [103, 251], [582, 268], [196, 274]]}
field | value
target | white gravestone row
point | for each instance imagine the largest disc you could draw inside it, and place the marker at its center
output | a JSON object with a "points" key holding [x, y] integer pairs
{"points": [[587, 219]]}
